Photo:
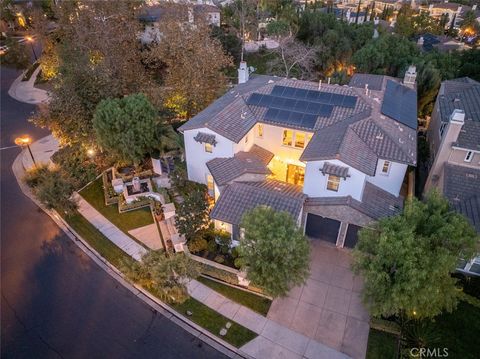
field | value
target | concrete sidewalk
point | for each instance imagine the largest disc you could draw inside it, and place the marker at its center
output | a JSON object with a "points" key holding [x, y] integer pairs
{"points": [[274, 340], [25, 91], [121, 240]]}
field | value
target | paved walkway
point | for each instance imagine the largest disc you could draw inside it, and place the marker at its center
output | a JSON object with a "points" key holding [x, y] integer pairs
{"points": [[124, 242], [25, 91], [274, 340], [328, 308], [148, 235]]}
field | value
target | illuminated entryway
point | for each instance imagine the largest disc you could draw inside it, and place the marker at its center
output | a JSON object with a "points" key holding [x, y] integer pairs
{"points": [[295, 174]]}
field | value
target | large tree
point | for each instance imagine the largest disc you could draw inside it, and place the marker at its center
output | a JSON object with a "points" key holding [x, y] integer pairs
{"points": [[407, 260], [99, 57], [126, 127], [165, 275], [293, 58], [273, 250], [192, 64]]}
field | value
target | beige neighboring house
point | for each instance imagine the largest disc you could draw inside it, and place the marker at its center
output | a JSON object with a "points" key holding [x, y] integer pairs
{"points": [[454, 138]]}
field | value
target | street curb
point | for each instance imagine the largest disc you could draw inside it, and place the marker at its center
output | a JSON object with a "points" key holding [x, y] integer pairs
{"points": [[12, 91], [153, 302]]}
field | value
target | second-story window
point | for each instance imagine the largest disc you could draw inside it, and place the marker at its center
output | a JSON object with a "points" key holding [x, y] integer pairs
{"points": [[210, 185], [287, 137], [468, 156], [299, 140], [386, 167], [442, 128], [260, 130], [208, 147], [333, 183]]}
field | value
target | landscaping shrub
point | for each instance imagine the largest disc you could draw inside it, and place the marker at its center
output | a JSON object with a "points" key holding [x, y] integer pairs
{"points": [[219, 259], [73, 160], [197, 245], [52, 189], [212, 246], [224, 241]]}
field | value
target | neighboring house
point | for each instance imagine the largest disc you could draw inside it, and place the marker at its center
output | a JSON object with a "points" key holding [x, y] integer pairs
{"points": [[427, 42], [334, 157], [454, 138], [454, 11]]}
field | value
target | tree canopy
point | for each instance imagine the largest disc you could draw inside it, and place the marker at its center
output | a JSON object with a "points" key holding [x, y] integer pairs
{"points": [[165, 275], [273, 251], [126, 127], [192, 214], [407, 260]]}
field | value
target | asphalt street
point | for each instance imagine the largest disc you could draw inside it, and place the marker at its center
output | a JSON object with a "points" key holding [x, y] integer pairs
{"points": [[55, 301]]}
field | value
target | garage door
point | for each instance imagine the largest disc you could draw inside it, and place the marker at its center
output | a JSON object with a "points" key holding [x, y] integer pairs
{"points": [[322, 228], [351, 238]]}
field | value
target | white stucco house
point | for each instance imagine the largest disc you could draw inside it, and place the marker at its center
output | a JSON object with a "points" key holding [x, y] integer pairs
{"points": [[334, 157]]}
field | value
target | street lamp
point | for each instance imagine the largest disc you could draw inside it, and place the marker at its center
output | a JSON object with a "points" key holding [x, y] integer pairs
{"points": [[25, 140], [30, 40], [91, 152]]}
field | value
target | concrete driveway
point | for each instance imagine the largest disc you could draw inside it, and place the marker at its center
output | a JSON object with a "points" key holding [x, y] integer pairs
{"points": [[328, 307]]}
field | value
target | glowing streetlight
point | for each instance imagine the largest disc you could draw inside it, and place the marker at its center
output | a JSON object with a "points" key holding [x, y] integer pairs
{"points": [[30, 40], [25, 141], [91, 152]]}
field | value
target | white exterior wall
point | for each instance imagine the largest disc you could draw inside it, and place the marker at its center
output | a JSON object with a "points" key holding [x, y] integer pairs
{"points": [[391, 182], [245, 146], [196, 156], [272, 141], [316, 183]]}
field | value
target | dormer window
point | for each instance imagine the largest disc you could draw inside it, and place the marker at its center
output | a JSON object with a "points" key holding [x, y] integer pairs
{"points": [[386, 167], [300, 140], [468, 156], [287, 137]]}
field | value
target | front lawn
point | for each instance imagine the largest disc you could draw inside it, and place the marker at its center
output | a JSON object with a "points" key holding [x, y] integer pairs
{"points": [[127, 221], [255, 302], [97, 240], [213, 322], [381, 345]]}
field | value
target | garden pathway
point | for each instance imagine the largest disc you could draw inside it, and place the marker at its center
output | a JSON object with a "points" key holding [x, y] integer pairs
{"points": [[274, 340], [124, 242]]}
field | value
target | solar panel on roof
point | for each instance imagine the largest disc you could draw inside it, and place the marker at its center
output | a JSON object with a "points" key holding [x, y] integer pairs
{"points": [[400, 103], [254, 99], [278, 90], [336, 100], [315, 96], [290, 118], [326, 110], [349, 101]]}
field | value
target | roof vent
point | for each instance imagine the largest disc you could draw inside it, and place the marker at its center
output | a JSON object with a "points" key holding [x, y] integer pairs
{"points": [[401, 141], [379, 136], [471, 175], [270, 82]]}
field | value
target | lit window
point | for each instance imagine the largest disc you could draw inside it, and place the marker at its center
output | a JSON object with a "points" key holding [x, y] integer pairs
{"points": [[333, 182], [442, 128], [242, 233], [287, 137], [260, 130], [386, 167], [299, 140], [208, 147], [469, 156], [210, 185]]}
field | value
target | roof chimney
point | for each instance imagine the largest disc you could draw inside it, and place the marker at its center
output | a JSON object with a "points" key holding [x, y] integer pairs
{"points": [[410, 76], [242, 72]]}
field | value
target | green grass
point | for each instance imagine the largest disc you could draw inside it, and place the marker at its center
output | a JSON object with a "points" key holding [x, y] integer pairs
{"points": [[127, 221], [459, 331], [212, 321], [259, 60], [254, 302], [381, 345], [97, 240]]}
